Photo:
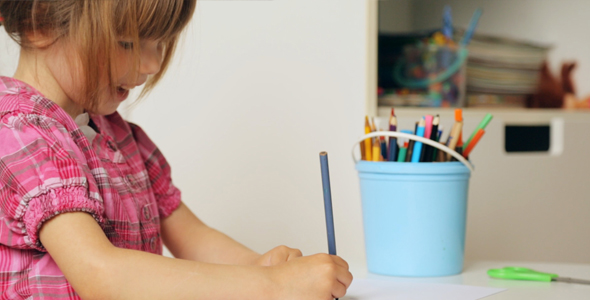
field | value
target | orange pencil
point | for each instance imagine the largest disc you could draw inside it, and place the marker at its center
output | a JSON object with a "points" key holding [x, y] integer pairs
{"points": [[456, 131], [368, 143], [473, 143]]}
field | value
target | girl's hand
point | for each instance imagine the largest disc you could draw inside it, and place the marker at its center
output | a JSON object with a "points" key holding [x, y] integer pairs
{"points": [[277, 256], [315, 277]]}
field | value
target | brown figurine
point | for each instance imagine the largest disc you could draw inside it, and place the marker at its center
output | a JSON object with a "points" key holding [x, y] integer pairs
{"points": [[557, 93]]}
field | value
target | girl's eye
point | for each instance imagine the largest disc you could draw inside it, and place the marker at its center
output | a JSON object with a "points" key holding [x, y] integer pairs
{"points": [[126, 45]]}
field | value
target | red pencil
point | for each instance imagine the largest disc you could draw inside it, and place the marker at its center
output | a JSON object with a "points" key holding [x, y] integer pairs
{"points": [[473, 143]]}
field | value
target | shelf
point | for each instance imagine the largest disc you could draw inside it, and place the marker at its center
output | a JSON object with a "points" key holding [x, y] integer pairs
{"points": [[511, 115]]}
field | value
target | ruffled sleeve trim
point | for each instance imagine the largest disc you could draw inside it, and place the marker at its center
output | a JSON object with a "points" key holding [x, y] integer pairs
{"points": [[55, 202], [168, 203]]}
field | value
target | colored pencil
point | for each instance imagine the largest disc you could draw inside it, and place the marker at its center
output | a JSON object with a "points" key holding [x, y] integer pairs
{"points": [[410, 150], [428, 154], [392, 151], [383, 148], [376, 155], [447, 28], [417, 151], [471, 29], [440, 156], [411, 145], [473, 143], [402, 153], [328, 203], [368, 143], [427, 131], [428, 125], [438, 138], [456, 132], [482, 125]]}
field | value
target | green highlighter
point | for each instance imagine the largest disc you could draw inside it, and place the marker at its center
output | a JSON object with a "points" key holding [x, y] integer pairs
{"points": [[518, 273]]}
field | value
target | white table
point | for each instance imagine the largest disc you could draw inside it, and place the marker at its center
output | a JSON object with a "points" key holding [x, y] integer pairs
{"points": [[474, 273]]}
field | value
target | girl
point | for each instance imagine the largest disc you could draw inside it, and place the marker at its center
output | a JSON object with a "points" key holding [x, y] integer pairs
{"points": [[86, 199]]}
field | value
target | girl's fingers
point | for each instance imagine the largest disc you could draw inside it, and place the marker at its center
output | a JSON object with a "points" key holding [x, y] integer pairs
{"points": [[344, 276], [339, 290], [282, 254], [276, 259], [293, 253]]}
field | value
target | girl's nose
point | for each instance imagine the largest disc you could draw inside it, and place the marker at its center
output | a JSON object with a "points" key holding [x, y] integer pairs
{"points": [[151, 60]]}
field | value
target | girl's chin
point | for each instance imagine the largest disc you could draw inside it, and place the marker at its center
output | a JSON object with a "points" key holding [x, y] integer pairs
{"points": [[107, 108]]}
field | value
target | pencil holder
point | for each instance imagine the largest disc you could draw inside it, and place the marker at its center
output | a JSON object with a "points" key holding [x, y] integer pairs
{"points": [[414, 214]]}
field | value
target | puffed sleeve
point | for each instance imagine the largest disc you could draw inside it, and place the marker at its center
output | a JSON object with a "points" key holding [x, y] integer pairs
{"points": [[167, 195], [43, 173]]}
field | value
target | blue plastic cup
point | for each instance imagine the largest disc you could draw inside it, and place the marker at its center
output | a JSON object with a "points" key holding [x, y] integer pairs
{"points": [[414, 215]]}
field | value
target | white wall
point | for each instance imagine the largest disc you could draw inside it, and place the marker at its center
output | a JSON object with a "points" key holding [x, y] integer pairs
{"points": [[260, 89], [562, 23], [8, 54]]}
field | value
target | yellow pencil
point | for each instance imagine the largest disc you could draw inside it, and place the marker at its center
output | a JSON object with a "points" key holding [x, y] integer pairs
{"points": [[368, 145], [376, 150], [363, 152]]}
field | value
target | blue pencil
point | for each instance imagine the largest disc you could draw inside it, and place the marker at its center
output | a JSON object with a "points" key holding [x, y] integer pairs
{"points": [[472, 25], [417, 152], [328, 203], [447, 29]]}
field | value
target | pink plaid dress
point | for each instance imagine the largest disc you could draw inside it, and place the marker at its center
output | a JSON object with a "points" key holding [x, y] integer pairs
{"points": [[48, 167]]}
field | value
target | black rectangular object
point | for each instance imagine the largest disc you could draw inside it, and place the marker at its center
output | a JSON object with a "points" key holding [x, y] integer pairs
{"points": [[519, 138]]}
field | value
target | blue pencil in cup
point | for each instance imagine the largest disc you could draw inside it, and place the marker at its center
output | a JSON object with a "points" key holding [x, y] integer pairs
{"points": [[328, 203], [447, 28], [393, 148], [471, 29], [416, 153]]}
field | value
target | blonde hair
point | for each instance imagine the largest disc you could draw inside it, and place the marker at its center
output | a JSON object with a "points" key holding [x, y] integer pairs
{"points": [[95, 27]]}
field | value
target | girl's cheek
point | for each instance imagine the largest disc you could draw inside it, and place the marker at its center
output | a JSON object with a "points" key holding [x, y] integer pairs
{"points": [[124, 63]]}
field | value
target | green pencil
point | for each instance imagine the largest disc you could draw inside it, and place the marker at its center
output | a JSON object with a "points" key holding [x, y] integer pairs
{"points": [[402, 154]]}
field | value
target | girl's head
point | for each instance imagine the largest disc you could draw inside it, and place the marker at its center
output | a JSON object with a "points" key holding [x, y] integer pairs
{"points": [[95, 50]]}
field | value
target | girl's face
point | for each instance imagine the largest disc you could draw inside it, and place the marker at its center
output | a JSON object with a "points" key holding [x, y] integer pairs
{"points": [[65, 68]]}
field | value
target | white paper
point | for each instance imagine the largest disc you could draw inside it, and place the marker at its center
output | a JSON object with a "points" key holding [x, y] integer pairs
{"points": [[378, 289]]}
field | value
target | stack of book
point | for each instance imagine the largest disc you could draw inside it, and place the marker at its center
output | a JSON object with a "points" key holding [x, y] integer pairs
{"points": [[502, 72]]}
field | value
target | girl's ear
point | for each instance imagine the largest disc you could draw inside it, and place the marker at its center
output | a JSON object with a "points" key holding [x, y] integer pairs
{"points": [[39, 40]]}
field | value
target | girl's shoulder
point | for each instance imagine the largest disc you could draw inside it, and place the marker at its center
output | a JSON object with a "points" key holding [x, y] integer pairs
{"points": [[20, 99]]}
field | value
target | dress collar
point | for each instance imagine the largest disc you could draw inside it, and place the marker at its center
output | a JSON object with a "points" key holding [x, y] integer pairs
{"points": [[83, 121]]}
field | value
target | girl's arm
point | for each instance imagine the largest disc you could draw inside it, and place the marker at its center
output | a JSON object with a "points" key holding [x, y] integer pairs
{"points": [[98, 270], [187, 237]]}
